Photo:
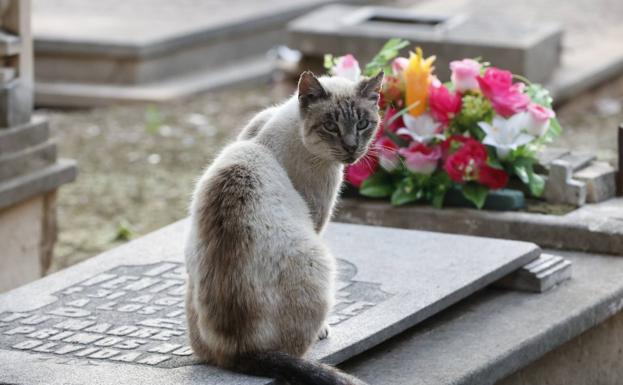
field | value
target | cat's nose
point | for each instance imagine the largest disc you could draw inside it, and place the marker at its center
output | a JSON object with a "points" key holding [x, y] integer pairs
{"points": [[349, 148], [349, 143]]}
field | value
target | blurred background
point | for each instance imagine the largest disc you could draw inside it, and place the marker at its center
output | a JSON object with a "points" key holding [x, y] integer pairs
{"points": [[143, 94]]}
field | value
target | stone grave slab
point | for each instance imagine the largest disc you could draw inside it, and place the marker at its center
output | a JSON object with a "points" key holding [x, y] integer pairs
{"points": [[529, 49], [119, 317], [94, 53]]}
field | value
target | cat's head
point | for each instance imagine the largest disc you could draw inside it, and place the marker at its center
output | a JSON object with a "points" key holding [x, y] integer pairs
{"points": [[340, 117]]}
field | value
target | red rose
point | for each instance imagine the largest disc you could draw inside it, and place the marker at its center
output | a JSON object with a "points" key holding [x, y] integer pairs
{"points": [[396, 122], [469, 163], [443, 105], [360, 171], [493, 178], [506, 98]]}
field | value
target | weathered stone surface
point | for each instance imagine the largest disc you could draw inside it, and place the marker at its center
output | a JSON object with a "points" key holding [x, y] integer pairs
{"points": [[538, 276], [600, 180], [28, 160], [18, 138], [9, 44], [496, 332], [144, 50], [15, 103], [560, 186], [121, 314], [530, 49], [592, 227], [43, 180], [21, 230]]}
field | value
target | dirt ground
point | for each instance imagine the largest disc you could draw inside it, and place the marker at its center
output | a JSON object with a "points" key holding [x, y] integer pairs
{"points": [[138, 163]]}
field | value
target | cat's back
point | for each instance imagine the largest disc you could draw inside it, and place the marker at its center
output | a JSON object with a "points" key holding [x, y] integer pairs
{"points": [[243, 192]]}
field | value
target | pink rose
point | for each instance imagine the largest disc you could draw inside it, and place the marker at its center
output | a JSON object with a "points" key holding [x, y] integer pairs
{"points": [[538, 118], [464, 73], [506, 98], [443, 105], [421, 159], [347, 67], [360, 171], [399, 64], [388, 153]]}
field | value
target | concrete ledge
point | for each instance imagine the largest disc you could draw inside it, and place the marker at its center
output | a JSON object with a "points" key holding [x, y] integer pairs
{"points": [[593, 227], [495, 333], [88, 95], [43, 180], [30, 134]]}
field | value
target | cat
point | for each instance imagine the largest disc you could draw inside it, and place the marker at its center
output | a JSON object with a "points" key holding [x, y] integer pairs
{"points": [[260, 280]]}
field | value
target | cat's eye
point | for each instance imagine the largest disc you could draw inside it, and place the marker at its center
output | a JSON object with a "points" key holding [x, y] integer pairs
{"points": [[362, 125], [330, 127]]}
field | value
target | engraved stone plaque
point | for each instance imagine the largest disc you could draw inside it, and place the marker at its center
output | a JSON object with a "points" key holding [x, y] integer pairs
{"points": [[119, 317]]}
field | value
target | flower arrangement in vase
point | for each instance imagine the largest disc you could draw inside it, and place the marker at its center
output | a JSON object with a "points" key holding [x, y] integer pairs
{"points": [[470, 135]]}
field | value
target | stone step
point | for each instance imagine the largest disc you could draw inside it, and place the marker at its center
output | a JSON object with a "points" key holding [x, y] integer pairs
{"points": [[538, 276], [46, 179], [28, 160], [21, 137]]}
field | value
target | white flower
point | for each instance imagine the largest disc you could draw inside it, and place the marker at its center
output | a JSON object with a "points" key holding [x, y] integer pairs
{"points": [[347, 67], [421, 128], [506, 134]]}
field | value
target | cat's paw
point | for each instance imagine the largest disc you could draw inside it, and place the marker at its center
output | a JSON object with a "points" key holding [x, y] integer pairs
{"points": [[324, 332]]}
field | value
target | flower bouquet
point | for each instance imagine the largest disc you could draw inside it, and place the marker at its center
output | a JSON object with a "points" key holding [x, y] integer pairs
{"points": [[473, 134]]}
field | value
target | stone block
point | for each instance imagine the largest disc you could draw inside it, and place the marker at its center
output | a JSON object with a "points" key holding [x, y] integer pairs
{"points": [[530, 49], [538, 276], [16, 99], [10, 44], [19, 138], [96, 311], [28, 230], [28, 160], [600, 179], [560, 187]]}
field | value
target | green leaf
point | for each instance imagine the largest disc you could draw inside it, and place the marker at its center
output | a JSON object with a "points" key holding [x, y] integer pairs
{"points": [[536, 184], [522, 173], [475, 193], [377, 185], [539, 95], [329, 61], [390, 50], [396, 139], [406, 192]]}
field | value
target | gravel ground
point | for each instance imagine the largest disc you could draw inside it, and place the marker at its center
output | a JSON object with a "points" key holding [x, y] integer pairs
{"points": [[138, 163]]}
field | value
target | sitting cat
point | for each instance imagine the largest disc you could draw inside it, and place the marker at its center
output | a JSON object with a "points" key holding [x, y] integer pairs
{"points": [[260, 277]]}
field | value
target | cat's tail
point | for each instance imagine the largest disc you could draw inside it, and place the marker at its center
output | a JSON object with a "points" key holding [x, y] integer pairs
{"points": [[294, 370]]}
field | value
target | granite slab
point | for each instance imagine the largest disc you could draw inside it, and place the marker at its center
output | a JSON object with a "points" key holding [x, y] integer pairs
{"points": [[119, 317], [494, 333]]}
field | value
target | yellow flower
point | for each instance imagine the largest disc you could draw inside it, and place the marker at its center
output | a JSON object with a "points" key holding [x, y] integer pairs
{"points": [[417, 77]]}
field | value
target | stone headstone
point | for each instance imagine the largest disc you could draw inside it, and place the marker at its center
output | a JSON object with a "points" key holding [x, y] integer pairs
{"points": [[600, 179], [119, 317], [529, 49]]}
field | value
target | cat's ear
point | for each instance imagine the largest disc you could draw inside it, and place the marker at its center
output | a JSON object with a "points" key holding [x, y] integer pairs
{"points": [[310, 90], [370, 88]]}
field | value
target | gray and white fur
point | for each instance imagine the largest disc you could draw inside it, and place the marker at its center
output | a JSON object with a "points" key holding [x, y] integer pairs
{"points": [[260, 278]]}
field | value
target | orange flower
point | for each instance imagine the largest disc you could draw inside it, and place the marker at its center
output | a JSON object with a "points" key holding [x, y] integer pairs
{"points": [[417, 77]]}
